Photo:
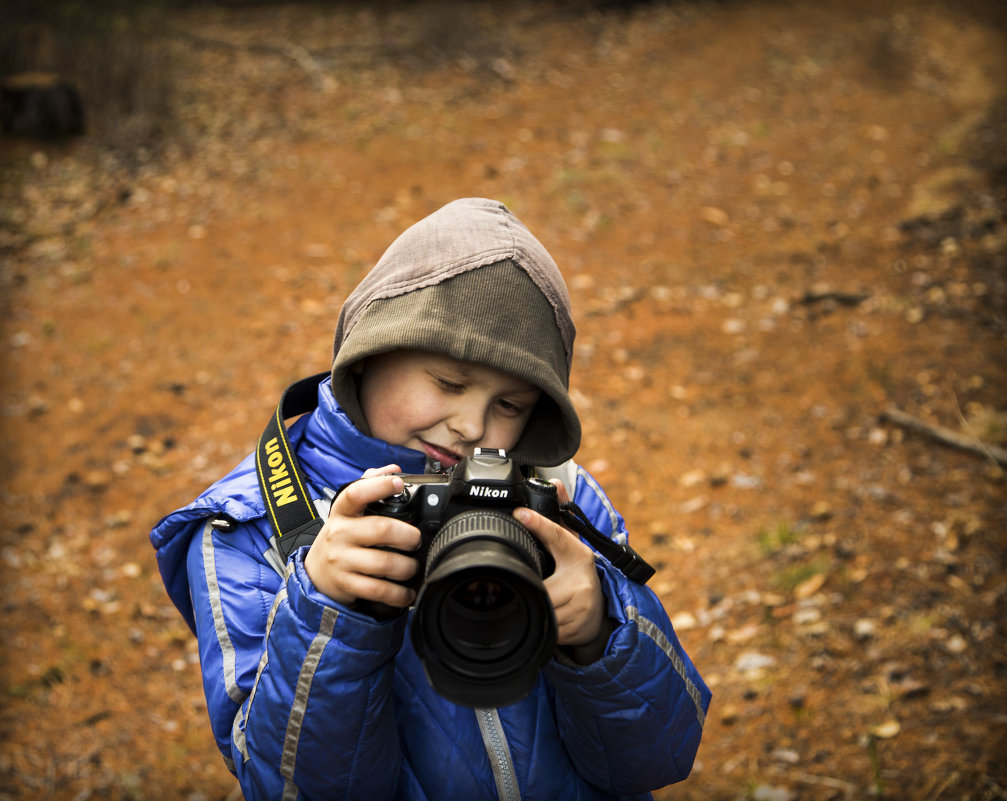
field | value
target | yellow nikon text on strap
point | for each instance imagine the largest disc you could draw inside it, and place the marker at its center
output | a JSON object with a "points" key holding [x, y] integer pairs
{"points": [[291, 512]]}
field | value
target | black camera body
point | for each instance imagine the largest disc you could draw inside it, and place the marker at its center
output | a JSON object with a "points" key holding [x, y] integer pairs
{"points": [[483, 624]]}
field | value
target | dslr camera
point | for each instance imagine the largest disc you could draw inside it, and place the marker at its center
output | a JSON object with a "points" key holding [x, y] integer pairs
{"points": [[483, 624]]}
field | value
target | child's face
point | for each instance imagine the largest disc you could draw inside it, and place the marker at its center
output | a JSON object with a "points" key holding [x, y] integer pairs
{"points": [[441, 406]]}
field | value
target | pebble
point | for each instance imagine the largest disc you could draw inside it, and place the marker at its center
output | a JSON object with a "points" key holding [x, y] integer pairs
{"points": [[692, 478], [809, 586], [684, 621], [753, 661], [865, 629], [743, 634], [694, 505], [887, 730], [788, 755], [131, 570], [804, 617], [714, 216], [729, 714], [766, 792]]}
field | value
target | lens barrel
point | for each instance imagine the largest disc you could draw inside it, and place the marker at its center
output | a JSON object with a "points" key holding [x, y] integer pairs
{"points": [[484, 625]]}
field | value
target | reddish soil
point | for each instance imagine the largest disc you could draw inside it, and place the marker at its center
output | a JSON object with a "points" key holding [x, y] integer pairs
{"points": [[776, 220]]}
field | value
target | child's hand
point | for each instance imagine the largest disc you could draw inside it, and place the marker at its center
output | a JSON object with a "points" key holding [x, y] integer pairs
{"points": [[574, 587], [346, 562]]}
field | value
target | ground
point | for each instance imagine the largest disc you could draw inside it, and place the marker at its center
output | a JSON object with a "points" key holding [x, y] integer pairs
{"points": [[777, 220]]}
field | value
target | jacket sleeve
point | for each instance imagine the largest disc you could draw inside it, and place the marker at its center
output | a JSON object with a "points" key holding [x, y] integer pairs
{"points": [[631, 721], [298, 689]]}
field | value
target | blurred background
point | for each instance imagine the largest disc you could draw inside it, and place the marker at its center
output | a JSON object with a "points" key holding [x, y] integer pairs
{"points": [[783, 228]]}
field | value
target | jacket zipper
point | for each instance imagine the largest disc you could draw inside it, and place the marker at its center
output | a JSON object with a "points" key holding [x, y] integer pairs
{"points": [[495, 742]]}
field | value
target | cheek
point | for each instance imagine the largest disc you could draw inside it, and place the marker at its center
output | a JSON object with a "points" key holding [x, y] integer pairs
{"points": [[395, 415], [504, 433]]}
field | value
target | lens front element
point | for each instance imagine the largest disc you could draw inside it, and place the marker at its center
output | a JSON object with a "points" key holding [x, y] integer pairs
{"points": [[484, 625]]}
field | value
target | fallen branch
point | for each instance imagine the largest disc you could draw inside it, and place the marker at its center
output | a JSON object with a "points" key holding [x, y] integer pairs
{"points": [[832, 296], [848, 789], [946, 436]]}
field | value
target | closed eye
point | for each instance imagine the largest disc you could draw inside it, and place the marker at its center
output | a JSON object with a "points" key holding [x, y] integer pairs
{"points": [[447, 385], [511, 408]]}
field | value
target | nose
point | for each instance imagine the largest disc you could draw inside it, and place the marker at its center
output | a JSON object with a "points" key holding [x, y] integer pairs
{"points": [[468, 420]]}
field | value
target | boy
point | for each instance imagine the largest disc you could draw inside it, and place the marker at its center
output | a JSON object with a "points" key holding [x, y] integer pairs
{"points": [[460, 337]]}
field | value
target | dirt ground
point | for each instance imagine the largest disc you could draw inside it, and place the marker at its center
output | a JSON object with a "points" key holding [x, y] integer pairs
{"points": [[777, 221]]}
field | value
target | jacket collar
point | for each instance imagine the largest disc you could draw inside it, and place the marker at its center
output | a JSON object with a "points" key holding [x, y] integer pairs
{"points": [[331, 446]]}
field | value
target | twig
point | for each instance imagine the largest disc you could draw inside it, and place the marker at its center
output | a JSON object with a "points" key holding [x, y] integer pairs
{"points": [[306, 61], [847, 788], [946, 436], [949, 780], [842, 298]]}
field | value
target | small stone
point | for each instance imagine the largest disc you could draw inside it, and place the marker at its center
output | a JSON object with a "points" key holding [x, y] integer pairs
{"points": [[766, 792], [821, 511], [684, 621], [36, 405], [956, 644], [911, 688], [695, 505], [714, 216], [753, 661], [96, 480], [787, 755], [131, 570], [692, 478], [744, 634], [809, 587], [865, 629], [887, 730], [878, 436]]}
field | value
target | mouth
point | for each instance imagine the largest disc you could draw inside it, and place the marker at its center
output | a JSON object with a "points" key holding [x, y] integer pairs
{"points": [[445, 457]]}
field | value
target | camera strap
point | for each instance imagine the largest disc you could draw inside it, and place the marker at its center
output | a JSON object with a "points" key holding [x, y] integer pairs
{"points": [[622, 557], [289, 507], [296, 522]]}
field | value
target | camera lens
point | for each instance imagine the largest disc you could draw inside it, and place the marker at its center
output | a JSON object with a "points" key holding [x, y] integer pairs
{"points": [[484, 625], [482, 596], [482, 619]]}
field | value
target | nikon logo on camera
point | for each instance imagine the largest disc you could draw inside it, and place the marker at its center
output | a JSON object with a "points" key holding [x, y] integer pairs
{"points": [[488, 492], [279, 482]]}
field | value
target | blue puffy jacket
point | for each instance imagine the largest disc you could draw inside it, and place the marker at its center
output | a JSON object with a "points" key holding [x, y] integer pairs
{"points": [[311, 700]]}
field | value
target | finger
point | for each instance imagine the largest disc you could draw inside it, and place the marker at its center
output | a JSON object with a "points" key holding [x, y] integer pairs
{"points": [[380, 563], [354, 498], [388, 469], [376, 531], [371, 588], [562, 496]]}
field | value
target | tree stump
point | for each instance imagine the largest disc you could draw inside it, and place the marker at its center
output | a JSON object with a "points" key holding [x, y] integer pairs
{"points": [[40, 105]]}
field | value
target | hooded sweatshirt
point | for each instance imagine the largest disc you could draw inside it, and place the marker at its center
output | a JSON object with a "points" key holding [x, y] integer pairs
{"points": [[470, 282]]}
